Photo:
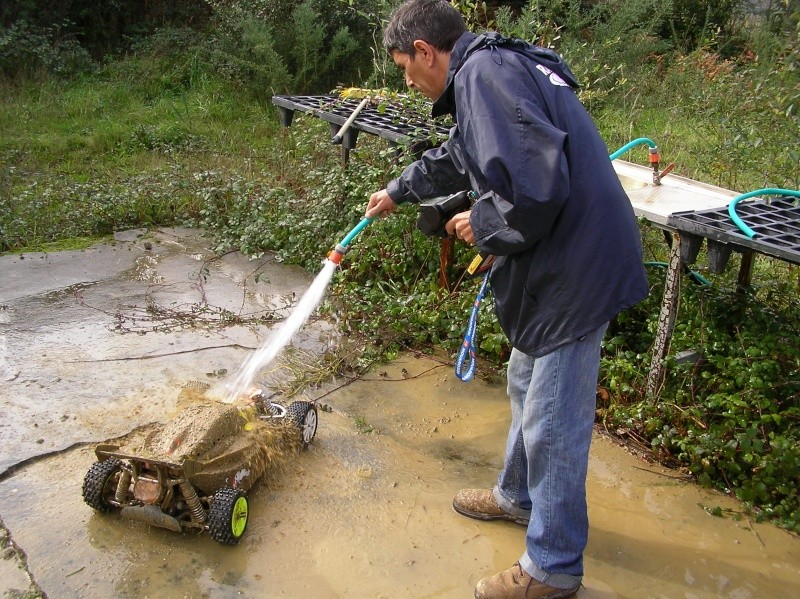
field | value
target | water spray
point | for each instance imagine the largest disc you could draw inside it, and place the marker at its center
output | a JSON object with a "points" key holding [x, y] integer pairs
{"points": [[243, 379]]}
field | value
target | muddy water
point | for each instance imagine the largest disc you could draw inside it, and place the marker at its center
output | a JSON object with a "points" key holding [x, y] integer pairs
{"points": [[367, 514]]}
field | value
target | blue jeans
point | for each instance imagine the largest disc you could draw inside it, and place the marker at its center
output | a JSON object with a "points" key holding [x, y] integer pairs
{"points": [[547, 455]]}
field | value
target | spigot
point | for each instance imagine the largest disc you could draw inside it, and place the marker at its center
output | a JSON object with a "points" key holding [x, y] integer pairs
{"points": [[655, 159]]}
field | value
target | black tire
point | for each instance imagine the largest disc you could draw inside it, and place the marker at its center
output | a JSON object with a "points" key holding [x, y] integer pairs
{"points": [[303, 416], [100, 484], [227, 518]]}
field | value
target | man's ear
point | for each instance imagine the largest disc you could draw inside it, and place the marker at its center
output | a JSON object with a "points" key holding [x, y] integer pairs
{"points": [[425, 51]]}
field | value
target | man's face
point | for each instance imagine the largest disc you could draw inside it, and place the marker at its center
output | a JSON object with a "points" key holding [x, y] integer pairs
{"points": [[423, 72]]}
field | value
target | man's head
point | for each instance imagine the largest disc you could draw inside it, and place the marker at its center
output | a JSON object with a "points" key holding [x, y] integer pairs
{"points": [[420, 36], [433, 21]]}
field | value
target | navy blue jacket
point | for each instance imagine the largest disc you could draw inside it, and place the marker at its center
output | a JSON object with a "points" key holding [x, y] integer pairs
{"points": [[550, 204]]}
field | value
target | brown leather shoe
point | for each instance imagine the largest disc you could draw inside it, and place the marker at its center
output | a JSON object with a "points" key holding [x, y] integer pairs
{"points": [[516, 583], [481, 505]]}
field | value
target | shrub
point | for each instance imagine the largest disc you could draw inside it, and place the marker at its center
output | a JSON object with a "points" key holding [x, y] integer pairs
{"points": [[35, 52], [692, 23], [258, 46]]}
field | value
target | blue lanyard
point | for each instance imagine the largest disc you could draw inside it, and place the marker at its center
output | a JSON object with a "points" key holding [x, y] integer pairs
{"points": [[468, 346]]}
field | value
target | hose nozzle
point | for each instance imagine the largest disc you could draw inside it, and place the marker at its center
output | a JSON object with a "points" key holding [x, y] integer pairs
{"points": [[341, 248], [338, 253]]}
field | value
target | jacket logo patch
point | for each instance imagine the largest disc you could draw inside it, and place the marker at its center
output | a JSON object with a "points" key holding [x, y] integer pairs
{"points": [[554, 78]]}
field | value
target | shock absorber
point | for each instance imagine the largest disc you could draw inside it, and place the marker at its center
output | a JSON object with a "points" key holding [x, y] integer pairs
{"points": [[193, 501], [123, 484]]}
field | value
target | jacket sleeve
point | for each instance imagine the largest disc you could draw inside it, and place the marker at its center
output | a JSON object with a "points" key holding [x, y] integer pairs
{"points": [[437, 172], [516, 150]]}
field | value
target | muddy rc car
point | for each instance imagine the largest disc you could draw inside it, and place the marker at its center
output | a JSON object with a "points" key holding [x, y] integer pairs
{"points": [[193, 473]]}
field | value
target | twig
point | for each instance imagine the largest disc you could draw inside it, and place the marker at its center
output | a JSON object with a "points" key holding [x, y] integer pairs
{"points": [[153, 356], [681, 477], [406, 378], [755, 532], [413, 505]]}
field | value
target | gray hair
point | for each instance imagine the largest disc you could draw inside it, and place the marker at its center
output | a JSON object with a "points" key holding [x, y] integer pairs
{"points": [[434, 21]]}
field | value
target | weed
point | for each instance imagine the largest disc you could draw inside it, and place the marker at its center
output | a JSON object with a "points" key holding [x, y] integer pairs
{"points": [[362, 426]]}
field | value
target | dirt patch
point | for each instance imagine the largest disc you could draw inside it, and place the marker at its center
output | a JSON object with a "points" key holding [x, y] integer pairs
{"points": [[14, 569]]}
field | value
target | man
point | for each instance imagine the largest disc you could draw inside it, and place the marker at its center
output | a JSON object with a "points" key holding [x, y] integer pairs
{"points": [[551, 209]]}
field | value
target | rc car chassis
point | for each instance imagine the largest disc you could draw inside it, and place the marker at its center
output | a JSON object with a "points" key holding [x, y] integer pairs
{"points": [[194, 474]]}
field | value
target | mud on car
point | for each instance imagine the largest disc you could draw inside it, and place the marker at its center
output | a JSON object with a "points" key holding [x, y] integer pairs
{"points": [[193, 473]]}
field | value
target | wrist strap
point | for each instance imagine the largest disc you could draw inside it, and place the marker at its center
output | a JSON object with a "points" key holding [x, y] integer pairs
{"points": [[468, 346]]}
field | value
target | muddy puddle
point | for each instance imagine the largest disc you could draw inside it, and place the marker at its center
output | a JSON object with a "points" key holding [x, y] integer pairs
{"points": [[367, 514], [364, 512]]}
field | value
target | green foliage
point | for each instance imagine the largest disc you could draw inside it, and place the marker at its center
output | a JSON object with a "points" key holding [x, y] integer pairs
{"points": [[372, 16], [537, 22], [251, 41], [477, 14], [738, 113], [269, 53], [604, 43], [34, 52], [244, 51], [685, 24], [101, 27], [733, 418], [692, 23], [613, 44], [311, 61], [757, 96], [49, 209]]}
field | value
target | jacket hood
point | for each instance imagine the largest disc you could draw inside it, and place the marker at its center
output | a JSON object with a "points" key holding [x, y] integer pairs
{"points": [[469, 43]]}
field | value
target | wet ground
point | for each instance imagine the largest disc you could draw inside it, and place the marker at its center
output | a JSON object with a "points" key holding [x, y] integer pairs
{"points": [[95, 344]]}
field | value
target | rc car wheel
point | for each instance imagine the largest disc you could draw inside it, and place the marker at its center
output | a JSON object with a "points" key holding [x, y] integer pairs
{"points": [[227, 518], [100, 484], [303, 415]]}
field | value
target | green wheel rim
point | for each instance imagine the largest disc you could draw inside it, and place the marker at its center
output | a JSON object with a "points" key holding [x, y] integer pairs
{"points": [[239, 517]]}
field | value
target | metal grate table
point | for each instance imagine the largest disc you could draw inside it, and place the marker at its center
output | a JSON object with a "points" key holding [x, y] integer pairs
{"points": [[691, 212], [388, 120], [775, 222]]}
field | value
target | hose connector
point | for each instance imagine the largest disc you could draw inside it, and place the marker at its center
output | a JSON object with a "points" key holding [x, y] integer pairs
{"points": [[655, 159], [338, 253]]}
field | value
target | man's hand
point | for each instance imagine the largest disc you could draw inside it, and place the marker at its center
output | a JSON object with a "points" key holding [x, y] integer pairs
{"points": [[460, 227], [380, 204]]}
